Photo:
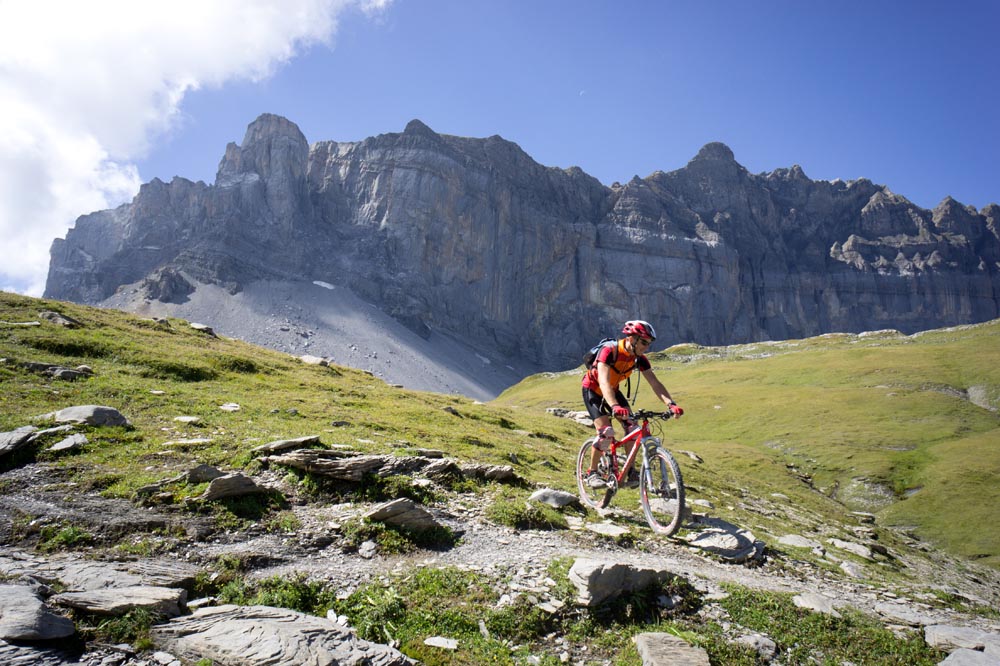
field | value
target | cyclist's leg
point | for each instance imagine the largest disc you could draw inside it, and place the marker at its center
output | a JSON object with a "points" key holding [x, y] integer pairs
{"points": [[600, 412], [632, 475]]}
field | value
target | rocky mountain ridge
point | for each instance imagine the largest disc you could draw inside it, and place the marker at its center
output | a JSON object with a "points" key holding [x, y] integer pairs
{"points": [[474, 238]]}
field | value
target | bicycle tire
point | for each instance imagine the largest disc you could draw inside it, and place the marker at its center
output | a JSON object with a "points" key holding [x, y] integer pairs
{"points": [[595, 498], [662, 493]]}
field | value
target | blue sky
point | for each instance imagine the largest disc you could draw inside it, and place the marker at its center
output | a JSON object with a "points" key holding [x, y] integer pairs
{"points": [[903, 93]]}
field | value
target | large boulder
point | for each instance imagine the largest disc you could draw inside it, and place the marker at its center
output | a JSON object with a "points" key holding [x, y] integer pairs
{"points": [[94, 415], [25, 617], [597, 582]]}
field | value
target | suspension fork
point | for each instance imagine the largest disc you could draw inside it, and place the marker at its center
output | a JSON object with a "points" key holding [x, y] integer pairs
{"points": [[649, 446]]}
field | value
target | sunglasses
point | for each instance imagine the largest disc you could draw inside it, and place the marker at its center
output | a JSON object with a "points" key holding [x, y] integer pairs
{"points": [[644, 341]]}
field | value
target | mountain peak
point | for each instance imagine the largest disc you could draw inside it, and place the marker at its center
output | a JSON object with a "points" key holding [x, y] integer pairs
{"points": [[270, 125], [416, 127], [715, 151]]}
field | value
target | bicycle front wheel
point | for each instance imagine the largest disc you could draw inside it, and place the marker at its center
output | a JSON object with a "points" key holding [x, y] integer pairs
{"points": [[662, 493], [595, 498]]}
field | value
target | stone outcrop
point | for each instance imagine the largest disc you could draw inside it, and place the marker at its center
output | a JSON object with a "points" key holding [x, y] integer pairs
{"points": [[473, 237], [597, 582], [25, 617], [251, 635]]}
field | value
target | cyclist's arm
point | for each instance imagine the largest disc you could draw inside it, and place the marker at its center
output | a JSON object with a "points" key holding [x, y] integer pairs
{"points": [[658, 388], [604, 381]]}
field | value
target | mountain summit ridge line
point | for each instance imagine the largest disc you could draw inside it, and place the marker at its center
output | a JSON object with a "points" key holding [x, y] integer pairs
{"points": [[474, 238]]}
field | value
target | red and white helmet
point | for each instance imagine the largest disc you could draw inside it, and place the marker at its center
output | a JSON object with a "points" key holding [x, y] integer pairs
{"points": [[641, 328]]}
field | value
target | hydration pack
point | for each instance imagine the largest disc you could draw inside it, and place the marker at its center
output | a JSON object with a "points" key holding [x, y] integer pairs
{"points": [[591, 355]]}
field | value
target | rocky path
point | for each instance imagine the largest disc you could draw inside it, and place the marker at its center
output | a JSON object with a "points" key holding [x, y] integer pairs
{"points": [[517, 560]]}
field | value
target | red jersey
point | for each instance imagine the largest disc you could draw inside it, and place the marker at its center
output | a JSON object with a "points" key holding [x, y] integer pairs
{"points": [[620, 362]]}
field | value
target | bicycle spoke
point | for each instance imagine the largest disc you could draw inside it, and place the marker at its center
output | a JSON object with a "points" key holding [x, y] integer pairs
{"points": [[662, 493], [596, 496]]}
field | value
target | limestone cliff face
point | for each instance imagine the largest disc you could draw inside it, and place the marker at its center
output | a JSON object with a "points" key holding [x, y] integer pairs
{"points": [[474, 237]]}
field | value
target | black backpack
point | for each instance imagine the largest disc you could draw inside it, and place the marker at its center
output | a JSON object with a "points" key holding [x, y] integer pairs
{"points": [[591, 355]]}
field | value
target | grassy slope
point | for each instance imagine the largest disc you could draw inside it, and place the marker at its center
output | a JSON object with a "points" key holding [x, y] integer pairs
{"points": [[132, 357], [884, 409], [762, 416]]}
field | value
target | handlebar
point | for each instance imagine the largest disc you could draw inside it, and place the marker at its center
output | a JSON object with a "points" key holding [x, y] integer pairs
{"points": [[646, 414]]}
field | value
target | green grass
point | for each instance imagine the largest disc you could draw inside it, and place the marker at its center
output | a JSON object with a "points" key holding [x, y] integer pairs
{"points": [[197, 374], [817, 419]]}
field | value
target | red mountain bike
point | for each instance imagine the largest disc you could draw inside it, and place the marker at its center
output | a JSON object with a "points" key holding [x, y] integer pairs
{"points": [[661, 489]]}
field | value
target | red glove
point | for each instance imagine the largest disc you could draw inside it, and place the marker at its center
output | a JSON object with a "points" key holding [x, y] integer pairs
{"points": [[676, 410], [620, 412]]}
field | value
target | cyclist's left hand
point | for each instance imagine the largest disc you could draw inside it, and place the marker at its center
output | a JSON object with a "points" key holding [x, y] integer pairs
{"points": [[676, 410]]}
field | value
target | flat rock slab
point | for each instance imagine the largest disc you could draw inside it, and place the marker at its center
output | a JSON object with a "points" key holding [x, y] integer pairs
{"points": [[231, 485], [265, 636], [120, 600], [607, 529], [441, 642], [668, 650], [966, 657], [15, 439], [60, 319], [861, 551], [554, 498], [95, 415], [403, 512], [78, 575], [350, 466], [730, 542], [946, 637], [71, 443], [287, 444], [901, 614], [816, 602], [31, 655], [25, 617], [597, 581], [797, 541], [308, 359]]}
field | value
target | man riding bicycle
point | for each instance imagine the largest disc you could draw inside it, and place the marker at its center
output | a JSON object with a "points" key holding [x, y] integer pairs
{"points": [[614, 363]]}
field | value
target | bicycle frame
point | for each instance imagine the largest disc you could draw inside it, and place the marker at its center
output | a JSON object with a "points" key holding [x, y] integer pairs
{"points": [[640, 432]]}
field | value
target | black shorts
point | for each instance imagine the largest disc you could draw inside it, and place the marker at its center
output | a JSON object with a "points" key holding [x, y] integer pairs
{"points": [[597, 406]]}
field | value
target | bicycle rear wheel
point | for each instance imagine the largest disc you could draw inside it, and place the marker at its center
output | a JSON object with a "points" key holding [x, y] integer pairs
{"points": [[662, 493], [595, 498]]}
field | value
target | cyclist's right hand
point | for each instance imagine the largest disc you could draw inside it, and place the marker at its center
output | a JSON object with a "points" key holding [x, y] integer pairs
{"points": [[676, 410], [620, 412]]}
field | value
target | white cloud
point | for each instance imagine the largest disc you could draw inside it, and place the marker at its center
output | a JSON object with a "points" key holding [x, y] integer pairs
{"points": [[86, 87]]}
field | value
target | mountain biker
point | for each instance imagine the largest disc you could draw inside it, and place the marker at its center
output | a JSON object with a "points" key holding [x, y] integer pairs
{"points": [[615, 361]]}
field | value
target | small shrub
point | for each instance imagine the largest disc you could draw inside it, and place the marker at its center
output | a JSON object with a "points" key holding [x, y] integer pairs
{"points": [[389, 541], [524, 515], [294, 593], [283, 521], [520, 621], [375, 488], [53, 537], [132, 627], [238, 364], [160, 369], [233, 513]]}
